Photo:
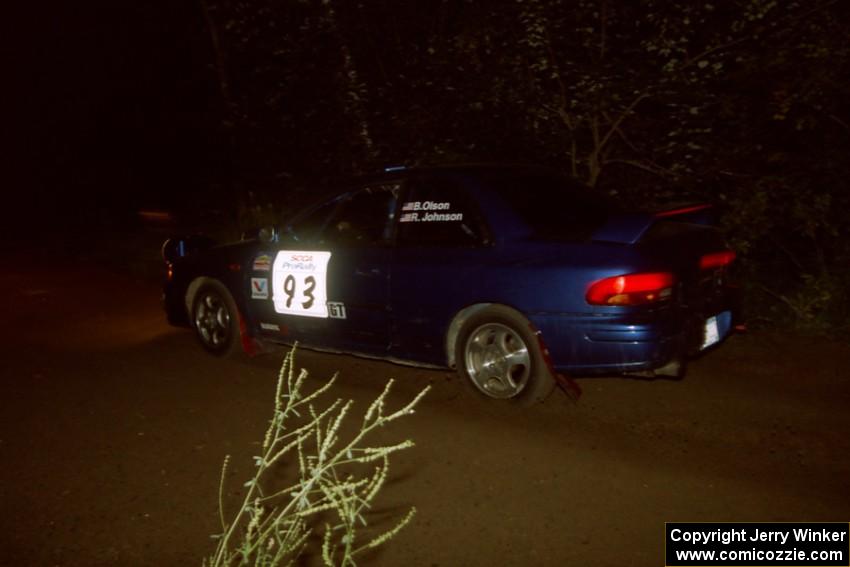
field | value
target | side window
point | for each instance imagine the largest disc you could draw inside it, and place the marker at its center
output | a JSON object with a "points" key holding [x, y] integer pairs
{"points": [[364, 218], [307, 228], [437, 212]]}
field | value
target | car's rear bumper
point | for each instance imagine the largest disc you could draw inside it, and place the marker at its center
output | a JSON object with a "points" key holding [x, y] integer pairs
{"points": [[586, 345]]}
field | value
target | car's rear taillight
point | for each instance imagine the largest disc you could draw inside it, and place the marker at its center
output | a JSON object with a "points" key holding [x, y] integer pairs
{"points": [[632, 289], [716, 260]]}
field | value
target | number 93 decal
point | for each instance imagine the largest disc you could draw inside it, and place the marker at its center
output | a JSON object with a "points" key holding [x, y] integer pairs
{"points": [[299, 283]]}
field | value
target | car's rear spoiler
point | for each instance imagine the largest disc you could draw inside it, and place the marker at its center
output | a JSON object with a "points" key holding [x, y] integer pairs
{"points": [[630, 227]]}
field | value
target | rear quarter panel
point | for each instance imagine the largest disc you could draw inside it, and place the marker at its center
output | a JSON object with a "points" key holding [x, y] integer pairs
{"points": [[431, 286]]}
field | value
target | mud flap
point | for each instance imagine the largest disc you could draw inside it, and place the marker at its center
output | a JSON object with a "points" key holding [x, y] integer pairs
{"points": [[569, 386], [249, 344]]}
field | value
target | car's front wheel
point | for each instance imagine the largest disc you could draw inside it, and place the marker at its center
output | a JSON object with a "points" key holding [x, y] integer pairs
{"points": [[216, 319], [498, 352]]}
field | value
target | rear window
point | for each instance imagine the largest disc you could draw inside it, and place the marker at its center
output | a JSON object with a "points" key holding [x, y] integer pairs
{"points": [[553, 206]]}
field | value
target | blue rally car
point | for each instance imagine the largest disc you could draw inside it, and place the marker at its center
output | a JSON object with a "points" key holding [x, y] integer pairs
{"points": [[510, 274]]}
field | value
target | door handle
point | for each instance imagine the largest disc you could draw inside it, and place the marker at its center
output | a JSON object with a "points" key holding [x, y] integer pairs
{"points": [[368, 273]]}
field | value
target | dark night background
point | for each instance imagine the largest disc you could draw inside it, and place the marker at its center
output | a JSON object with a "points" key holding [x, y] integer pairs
{"points": [[111, 108], [229, 113]]}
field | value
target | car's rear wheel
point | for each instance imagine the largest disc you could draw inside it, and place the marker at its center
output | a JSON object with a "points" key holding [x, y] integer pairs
{"points": [[498, 352], [216, 319]]}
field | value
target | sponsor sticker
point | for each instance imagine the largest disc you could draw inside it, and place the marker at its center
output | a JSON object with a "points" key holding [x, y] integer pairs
{"points": [[269, 327], [262, 263], [259, 288], [336, 310]]}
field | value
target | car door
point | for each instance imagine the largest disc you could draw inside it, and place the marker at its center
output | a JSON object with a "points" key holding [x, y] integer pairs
{"points": [[442, 245], [359, 238], [332, 288], [286, 278]]}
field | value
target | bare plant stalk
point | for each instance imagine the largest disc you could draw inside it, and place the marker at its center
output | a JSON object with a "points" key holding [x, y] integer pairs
{"points": [[334, 478]]}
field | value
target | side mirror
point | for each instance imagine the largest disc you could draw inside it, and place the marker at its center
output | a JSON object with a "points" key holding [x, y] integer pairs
{"points": [[268, 234]]}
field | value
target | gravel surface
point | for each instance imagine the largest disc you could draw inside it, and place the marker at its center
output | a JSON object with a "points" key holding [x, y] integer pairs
{"points": [[113, 428]]}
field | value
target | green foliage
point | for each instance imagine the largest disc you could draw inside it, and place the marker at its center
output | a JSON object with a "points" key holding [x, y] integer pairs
{"points": [[742, 104], [818, 303], [336, 480]]}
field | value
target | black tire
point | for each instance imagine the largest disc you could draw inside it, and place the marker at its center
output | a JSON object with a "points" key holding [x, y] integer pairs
{"points": [[500, 355], [215, 319]]}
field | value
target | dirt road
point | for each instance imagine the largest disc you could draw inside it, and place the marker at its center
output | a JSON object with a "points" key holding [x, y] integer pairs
{"points": [[113, 427]]}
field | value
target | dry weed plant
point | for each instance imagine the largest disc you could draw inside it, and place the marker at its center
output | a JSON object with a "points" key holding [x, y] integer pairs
{"points": [[337, 480]]}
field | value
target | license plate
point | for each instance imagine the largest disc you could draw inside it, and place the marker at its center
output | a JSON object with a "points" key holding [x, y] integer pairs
{"points": [[710, 335]]}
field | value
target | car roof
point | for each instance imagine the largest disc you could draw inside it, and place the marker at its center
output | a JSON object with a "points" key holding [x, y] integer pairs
{"points": [[477, 178]]}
